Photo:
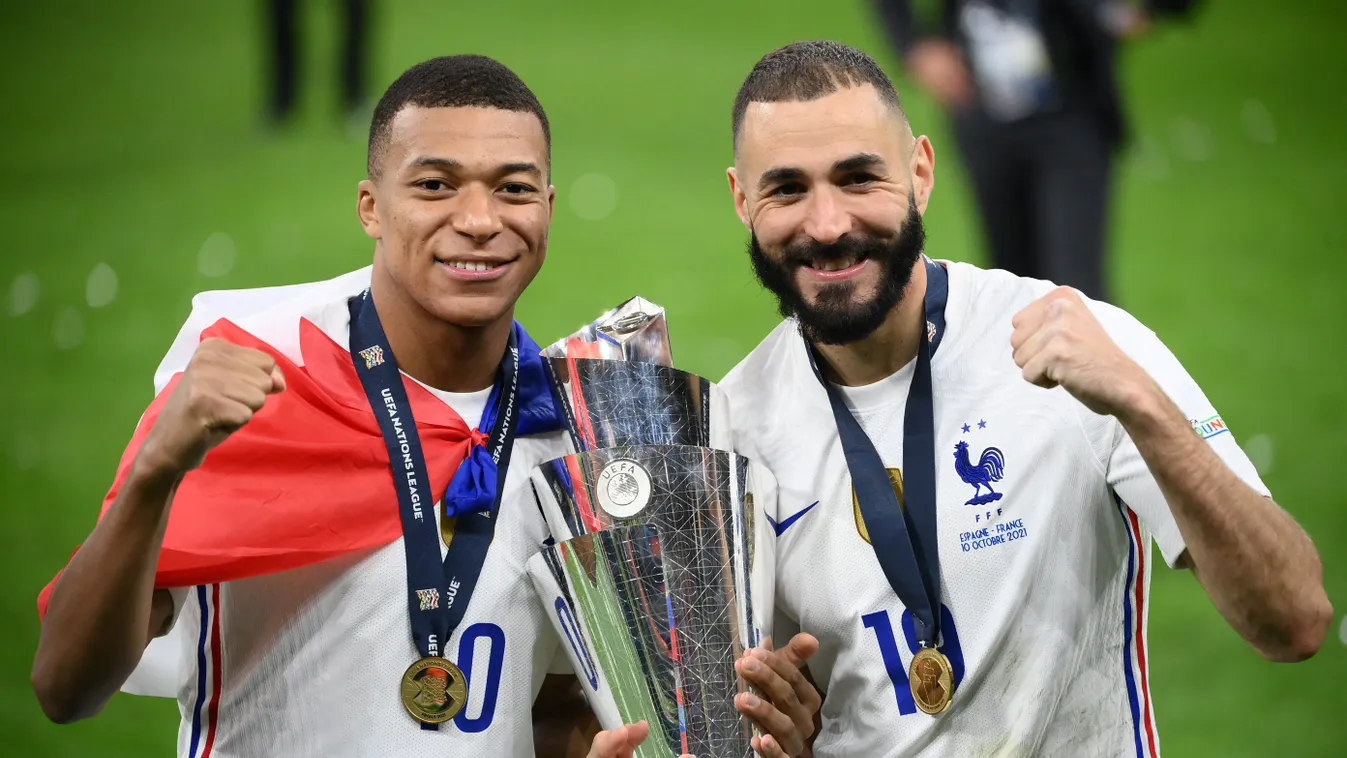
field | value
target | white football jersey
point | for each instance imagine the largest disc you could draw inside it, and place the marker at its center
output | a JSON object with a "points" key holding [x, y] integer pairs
{"points": [[309, 662], [1045, 510]]}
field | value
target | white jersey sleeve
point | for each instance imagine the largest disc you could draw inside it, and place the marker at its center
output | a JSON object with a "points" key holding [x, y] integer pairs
{"points": [[1127, 473]]}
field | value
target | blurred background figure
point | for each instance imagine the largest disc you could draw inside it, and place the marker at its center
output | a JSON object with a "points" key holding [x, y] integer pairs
{"points": [[286, 49], [1030, 87]]}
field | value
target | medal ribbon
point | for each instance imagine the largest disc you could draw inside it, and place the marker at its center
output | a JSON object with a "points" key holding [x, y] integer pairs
{"points": [[904, 539], [473, 495]]}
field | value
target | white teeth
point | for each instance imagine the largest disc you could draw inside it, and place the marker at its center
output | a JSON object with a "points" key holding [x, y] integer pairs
{"points": [[472, 265], [836, 265]]}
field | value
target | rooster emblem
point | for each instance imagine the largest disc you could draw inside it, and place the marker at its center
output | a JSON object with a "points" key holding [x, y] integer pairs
{"points": [[989, 469]]}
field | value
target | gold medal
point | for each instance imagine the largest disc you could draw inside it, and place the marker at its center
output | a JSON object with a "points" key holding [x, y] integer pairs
{"points": [[931, 678], [434, 690]]}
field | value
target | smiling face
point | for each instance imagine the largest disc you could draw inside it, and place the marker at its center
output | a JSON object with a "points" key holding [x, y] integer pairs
{"points": [[460, 209], [832, 190]]}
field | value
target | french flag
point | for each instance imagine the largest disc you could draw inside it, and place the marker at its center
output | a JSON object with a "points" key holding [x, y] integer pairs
{"points": [[308, 478]]}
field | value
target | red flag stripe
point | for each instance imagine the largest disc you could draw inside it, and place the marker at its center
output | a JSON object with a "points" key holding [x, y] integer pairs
{"points": [[306, 480]]}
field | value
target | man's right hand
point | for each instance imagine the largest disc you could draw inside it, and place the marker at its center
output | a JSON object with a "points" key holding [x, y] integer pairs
{"points": [[220, 390], [621, 742], [937, 65]]}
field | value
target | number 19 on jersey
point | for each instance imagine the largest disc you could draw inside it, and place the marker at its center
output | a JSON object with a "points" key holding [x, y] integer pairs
{"points": [[888, 649]]}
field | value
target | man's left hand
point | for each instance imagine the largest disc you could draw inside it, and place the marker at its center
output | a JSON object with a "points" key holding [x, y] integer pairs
{"points": [[1058, 341], [786, 710]]}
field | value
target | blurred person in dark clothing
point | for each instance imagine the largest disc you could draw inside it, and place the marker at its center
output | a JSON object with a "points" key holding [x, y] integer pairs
{"points": [[1031, 90], [284, 41]]}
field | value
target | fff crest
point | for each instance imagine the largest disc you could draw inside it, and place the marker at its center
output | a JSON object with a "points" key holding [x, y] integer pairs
{"points": [[990, 467]]}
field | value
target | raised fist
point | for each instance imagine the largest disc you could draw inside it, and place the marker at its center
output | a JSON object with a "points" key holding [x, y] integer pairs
{"points": [[219, 391]]}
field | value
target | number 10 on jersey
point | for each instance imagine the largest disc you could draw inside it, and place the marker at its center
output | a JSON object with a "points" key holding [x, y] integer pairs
{"points": [[893, 662]]}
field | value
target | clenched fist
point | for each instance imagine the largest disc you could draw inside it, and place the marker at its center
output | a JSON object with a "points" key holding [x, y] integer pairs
{"points": [[1058, 341], [219, 391]]}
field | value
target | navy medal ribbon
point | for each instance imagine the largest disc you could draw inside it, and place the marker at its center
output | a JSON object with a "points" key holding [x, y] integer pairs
{"points": [[473, 495], [904, 539]]}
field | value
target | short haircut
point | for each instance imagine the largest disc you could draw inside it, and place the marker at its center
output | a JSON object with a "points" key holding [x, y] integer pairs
{"points": [[803, 71], [452, 81]]}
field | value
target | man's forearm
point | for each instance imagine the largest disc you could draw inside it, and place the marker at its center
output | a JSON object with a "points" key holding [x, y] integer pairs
{"points": [[99, 618], [1259, 567]]}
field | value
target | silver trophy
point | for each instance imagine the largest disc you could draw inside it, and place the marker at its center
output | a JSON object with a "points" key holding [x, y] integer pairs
{"points": [[633, 331], [661, 570]]}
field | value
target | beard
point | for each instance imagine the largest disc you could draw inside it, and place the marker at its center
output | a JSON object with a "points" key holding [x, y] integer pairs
{"points": [[835, 318]]}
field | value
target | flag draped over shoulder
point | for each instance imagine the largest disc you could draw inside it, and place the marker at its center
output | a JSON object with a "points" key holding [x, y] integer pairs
{"points": [[308, 478]]}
